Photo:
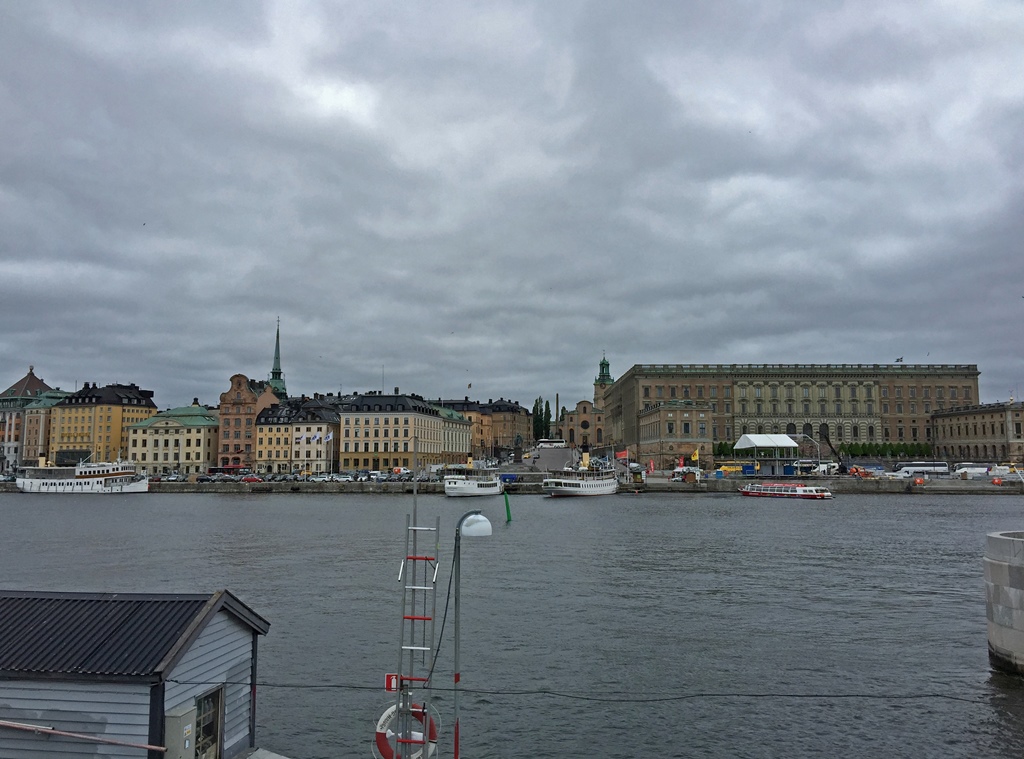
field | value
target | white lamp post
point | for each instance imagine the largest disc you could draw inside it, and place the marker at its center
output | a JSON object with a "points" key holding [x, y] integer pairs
{"points": [[473, 524]]}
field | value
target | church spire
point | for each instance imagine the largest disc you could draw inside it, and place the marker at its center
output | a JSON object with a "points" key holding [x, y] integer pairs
{"points": [[276, 375]]}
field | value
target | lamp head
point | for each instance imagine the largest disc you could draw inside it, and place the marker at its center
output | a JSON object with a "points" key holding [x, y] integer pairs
{"points": [[474, 525]]}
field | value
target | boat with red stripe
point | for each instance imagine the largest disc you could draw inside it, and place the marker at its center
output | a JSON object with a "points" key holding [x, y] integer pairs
{"points": [[786, 490]]}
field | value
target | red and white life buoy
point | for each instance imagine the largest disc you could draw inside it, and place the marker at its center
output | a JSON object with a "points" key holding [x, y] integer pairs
{"points": [[384, 735]]}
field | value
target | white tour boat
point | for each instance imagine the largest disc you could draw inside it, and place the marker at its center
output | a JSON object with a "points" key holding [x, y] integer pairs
{"points": [[581, 481], [112, 477], [465, 481], [786, 490]]}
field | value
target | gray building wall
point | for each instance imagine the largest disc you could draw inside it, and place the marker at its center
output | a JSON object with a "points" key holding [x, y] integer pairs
{"points": [[111, 710], [222, 654]]}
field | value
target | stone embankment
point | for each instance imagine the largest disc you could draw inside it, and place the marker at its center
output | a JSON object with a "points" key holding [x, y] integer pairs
{"points": [[530, 483]]}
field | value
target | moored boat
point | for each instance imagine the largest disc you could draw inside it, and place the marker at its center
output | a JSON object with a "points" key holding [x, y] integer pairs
{"points": [[100, 477], [581, 481], [464, 481], [786, 490]]}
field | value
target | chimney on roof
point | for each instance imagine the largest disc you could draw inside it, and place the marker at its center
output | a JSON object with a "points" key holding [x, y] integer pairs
{"points": [[195, 401], [396, 391]]}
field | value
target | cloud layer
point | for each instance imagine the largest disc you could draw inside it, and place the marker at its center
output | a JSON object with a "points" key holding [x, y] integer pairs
{"points": [[499, 193]]}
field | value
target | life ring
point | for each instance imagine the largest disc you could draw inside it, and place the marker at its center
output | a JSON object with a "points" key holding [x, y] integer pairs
{"points": [[384, 735], [997, 480], [919, 480]]}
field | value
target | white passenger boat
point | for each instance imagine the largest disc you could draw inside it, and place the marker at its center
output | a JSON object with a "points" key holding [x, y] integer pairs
{"points": [[581, 481], [786, 490], [110, 477], [465, 481]]}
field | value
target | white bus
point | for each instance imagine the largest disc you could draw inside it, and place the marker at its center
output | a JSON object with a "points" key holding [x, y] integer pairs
{"points": [[912, 468], [549, 442]]}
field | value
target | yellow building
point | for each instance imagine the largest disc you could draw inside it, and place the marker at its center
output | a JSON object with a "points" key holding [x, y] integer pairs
{"points": [[298, 435], [93, 423]]}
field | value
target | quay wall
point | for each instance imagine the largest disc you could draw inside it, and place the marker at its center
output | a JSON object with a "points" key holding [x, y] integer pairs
{"points": [[530, 483], [1004, 600]]}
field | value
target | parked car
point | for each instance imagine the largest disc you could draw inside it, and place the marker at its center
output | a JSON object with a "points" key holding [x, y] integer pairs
{"points": [[251, 478], [204, 478]]}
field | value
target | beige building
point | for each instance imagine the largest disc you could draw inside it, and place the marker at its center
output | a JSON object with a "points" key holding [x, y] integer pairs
{"points": [[177, 441], [93, 423], [497, 425], [830, 403], [987, 433], [583, 426], [674, 430], [381, 432]]}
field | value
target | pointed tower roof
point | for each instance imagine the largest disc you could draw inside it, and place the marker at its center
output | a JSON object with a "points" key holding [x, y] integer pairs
{"points": [[27, 387], [276, 379], [604, 377]]}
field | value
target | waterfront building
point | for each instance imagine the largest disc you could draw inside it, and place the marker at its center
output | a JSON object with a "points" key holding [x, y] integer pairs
{"points": [[986, 433], [380, 432], [239, 407], [497, 426], [36, 430], [829, 403], [583, 426], [13, 401], [299, 435], [179, 440], [674, 429], [92, 424]]}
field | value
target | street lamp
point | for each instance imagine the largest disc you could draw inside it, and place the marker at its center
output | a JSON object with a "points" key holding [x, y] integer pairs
{"points": [[472, 524]]}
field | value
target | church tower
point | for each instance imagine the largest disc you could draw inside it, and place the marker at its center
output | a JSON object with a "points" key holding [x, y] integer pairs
{"points": [[602, 383], [276, 380]]}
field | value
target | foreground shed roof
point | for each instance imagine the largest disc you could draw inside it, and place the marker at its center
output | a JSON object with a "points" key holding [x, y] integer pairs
{"points": [[106, 635]]}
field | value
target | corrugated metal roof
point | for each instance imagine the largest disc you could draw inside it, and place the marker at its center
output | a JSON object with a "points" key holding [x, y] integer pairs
{"points": [[102, 634]]}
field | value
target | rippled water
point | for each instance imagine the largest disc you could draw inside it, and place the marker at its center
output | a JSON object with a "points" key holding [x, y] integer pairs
{"points": [[622, 626]]}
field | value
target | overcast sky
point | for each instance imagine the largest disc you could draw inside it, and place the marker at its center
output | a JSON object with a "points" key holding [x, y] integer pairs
{"points": [[432, 195]]}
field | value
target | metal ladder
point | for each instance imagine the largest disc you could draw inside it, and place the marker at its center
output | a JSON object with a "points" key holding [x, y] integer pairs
{"points": [[418, 576]]}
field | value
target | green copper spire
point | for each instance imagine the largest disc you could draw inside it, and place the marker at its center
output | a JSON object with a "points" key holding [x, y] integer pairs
{"points": [[276, 375], [604, 377]]}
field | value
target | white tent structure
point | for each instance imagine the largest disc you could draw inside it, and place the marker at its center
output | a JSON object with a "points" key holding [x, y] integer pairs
{"points": [[765, 441], [777, 449]]}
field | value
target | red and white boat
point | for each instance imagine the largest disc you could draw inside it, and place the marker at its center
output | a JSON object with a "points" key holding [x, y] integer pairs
{"points": [[786, 490]]}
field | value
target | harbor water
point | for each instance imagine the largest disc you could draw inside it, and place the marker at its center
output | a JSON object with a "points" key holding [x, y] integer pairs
{"points": [[699, 625]]}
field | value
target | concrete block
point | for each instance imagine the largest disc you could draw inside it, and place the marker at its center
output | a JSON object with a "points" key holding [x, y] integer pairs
{"points": [[996, 572]]}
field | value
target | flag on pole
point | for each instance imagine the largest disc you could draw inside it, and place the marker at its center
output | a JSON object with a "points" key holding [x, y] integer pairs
{"points": [[622, 455], [696, 454], [330, 436]]}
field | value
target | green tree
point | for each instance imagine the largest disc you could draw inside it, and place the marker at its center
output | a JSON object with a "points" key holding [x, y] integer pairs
{"points": [[547, 419]]}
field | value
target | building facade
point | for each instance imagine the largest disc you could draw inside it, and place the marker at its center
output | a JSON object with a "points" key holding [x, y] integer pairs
{"points": [[582, 426], [985, 433], [829, 403], [498, 426], [13, 402], [92, 424], [36, 430], [179, 440], [382, 431], [240, 404], [299, 436]]}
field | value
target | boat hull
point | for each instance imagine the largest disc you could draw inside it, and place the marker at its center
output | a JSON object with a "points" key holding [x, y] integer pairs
{"points": [[467, 487], [100, 478], [805, 492], [29, 485], [570, 486]]}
